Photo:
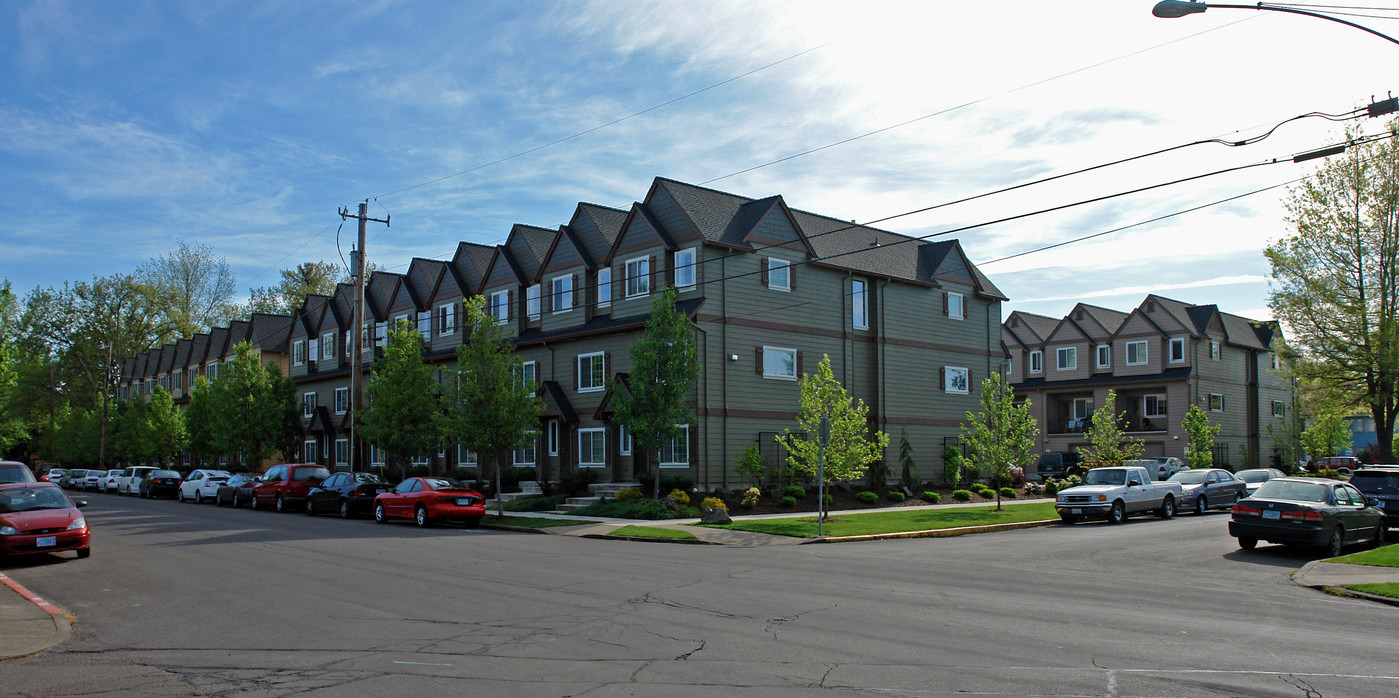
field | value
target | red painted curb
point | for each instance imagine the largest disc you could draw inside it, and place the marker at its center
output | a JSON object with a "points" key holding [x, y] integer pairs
{"points": [[33, 598]]}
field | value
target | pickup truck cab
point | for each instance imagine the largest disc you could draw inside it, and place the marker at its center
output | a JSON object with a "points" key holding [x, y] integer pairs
{"points": [[1116, 493]]}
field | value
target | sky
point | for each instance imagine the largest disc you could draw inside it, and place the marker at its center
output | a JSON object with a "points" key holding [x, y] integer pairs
{"points": [[244, 126]]}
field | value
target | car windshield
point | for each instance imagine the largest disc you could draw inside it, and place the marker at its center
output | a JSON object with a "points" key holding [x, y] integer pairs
{"points": [[1293, 491], [437, 483], [1111, 476], [33, 499], [1252, 475], [309, 474], [1376, 481], [1189, 477]]}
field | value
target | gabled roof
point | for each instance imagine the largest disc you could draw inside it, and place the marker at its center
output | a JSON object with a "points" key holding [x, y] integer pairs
{"points": [[271, 332], [380, 292], [342, 304], [199, 350], [1039, 326], [312, 312], [425, 275], [1106, 318], [471, 263], [556, 403], [1247, 333], [1181, 313], [528, 246]]}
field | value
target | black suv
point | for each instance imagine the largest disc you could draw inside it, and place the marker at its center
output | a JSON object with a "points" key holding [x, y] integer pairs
{"points": [[1059, 464], [1380, 483]]}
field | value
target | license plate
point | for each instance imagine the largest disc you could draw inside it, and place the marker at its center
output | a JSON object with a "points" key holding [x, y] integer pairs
{"points": [[46, 542], [1075, 510], [1269, 514], [463, 502]]}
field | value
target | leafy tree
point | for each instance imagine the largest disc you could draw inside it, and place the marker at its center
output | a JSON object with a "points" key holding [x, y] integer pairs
{"points": [[77, 442], [206, 438], [1326, 436], [664, 369], [752, 466], [493, 411], [1335, 280], [12, 424], [953, 464], [1199, 450], [250, 410], [164, 427], [851, 449], [1108, 443], [193, 290], [304, 279], [404, 415], [1002, 434]]}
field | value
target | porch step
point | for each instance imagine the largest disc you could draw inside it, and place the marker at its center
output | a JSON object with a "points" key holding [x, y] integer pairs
{"points": [[610, 489], [576, 503]]}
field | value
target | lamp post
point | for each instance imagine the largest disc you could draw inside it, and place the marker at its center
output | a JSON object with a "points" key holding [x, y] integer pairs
{"points": [[1171, 9]]}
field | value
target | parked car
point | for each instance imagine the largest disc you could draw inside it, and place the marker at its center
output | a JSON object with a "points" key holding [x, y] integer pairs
{"points": [[201, 484], [1255, 477], [286, 486], [1308, 511], [14, 471], [1341, 464], [73, 478], [130, 480], [38, 517], [429, 499], [53, 475], [108, 482], [1211, 488], [1059, 464], [1162, 466], [89, 483], [1380, 483], [348, 494], [161, 483], [236, 491], [1115, 493]]}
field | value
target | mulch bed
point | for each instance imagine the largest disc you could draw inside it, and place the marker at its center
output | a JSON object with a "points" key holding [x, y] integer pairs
{"points": [[845, 500]]}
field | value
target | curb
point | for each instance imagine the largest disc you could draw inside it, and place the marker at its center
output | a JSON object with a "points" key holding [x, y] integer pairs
{"points": [[62, 622], [514, 529], [1351, 593], [643, 539], [31, 596], [934, 533]]}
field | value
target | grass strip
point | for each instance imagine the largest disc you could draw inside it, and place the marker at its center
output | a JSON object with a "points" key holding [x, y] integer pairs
{"points": [[652, 532], [1388, 556], [1389, 589], [899, 521], [531, 521]]}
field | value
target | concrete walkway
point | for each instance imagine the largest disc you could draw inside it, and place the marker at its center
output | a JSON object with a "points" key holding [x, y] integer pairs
{"points": [[28, 623], [1334, 576]]}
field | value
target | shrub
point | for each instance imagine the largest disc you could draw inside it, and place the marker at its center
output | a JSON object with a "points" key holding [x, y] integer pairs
{"points": [[680, 497], [713, 503], [629, 494], [751, 497], [668, 483], [637, 509], [1033, 488], [932, 497], [789, 501], [794, 491], [577, 481], [1070, 481], [867, 497], [962, 495], [828, 500], [1051, 488], [952, 465], [751, 465], [545, 503], [510, 478], [895, 496], [1008, 492]]}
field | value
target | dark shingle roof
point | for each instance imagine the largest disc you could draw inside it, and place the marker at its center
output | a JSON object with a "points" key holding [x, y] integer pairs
{"points": [[471, 263]]}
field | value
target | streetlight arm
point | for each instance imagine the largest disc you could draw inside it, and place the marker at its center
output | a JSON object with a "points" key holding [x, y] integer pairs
{"points": [[1171, 9]]}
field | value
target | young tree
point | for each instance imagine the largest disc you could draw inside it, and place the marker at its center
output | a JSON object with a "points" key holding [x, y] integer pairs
{"points": [[202, 422], [1335, 280], [405, 412], [1199, 450], [12, 424], [1002, 434], [851, 449], [1108, 443], [492, 411], [252, 409], [664, 368], [164, 427], [1326, 436]]}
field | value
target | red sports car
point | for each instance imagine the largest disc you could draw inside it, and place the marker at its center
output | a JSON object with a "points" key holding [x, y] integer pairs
{"points": [[429, 499], [40, 518]]}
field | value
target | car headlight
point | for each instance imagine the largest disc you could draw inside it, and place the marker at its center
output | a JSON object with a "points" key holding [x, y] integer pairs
{"points": [[78, 524], [8, 531]]}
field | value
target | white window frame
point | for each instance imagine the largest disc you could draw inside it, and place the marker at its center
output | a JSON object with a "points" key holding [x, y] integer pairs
{"points": [[949, 381], [774, 264], [1144, 354], [308, 451], [1059, 355], [446, 319], [308, 405], [561, 300], [1037, 361], [640, 274], [425, 323], [586, 455], [1104, 355], [768, 363], [466, 458], [418, 460], [604, 287], [529, 372], [533, 308], [859, 304], [1215, 351], [342, 452], [346, 342], [956, 306], [298, 353], [327, 346], [1177, 343], [518, 456], [1279, 408], [623, 440], [1081, 407], [342, 400], [551, 438], [588, 386], [684, 261], [377, 456], [1155, 412], [670, 449], [1212, 401], [500, 306]]}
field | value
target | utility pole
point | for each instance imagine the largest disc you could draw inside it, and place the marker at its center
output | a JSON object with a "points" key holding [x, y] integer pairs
{"points": [[357, 259]]}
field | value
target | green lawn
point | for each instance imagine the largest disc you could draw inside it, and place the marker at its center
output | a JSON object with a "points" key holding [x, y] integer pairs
{"points": [[900, 521], [1389, 589], [1388, 556], [530, 521], [652, 532]]}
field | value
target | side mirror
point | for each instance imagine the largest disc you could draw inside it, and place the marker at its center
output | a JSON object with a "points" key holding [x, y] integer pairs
{"points": [[80, 503], [1134, 483]]}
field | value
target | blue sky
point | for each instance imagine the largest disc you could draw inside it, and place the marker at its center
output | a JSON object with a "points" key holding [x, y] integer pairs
{"points": [[125, 126]]}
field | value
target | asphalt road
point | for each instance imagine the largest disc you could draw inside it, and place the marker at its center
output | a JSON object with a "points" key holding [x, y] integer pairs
{"points": [[187, 599]]}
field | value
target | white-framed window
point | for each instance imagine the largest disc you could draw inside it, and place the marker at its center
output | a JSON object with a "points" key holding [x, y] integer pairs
{"points": [[859, 305], [592, 448], [1214, 351], [1067, 358], [418, 460], [446, 318], [532, 308], [342, 400], [528, 371], [551, 437], [165, 382], [298, 352], [1153, 405], [779, 363], [308, 405], [401, 320], [381, 332], [465, 458], [685, 269], [638, 277], [1274, 359], [956, 380], [1279, 408], [308, 451], [500, 306], [425, 323], [562, 289], [211, 372], [1216, 402], [1082, 407], [604, 287], [377, 456], [779, 274], [328, 346], [1177, 350], [347, 343], [177, 381], [676, 452], [1037, 361], [1136, 353], [526, 456], [365, 337], [342, 451], [1104, 356], [956, 305], [592, 372], [313, 352], [623, 440]]}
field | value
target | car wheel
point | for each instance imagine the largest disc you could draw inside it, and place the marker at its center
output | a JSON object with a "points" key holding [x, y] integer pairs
{"points": [[474, 522], [1381, 533], [345, 512], [310, 507], [1333, 546], [84, 552], [1168, 508], [198, 497], [1070, 520], [253, 501], [379, 514], [281, 505], [1118, 513], [1201, 505], [1248, 543], [420, 517], [180, 496]]}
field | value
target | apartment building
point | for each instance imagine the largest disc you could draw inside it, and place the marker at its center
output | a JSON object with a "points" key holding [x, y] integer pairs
{"points": [[1160, 358]]}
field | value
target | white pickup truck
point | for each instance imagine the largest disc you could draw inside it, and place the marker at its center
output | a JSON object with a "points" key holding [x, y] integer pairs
{"points": [[1116, 493]]}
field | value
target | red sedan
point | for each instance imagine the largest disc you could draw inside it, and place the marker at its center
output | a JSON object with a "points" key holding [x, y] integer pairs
{"points": [[40, 518], [429, 499]]}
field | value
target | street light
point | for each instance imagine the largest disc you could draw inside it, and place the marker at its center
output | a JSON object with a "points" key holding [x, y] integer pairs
{"points": [[1171, 9]]}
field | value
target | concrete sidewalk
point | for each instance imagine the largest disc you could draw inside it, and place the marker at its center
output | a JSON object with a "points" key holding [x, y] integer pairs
{"points": [[1334, 576], [28, 623]]}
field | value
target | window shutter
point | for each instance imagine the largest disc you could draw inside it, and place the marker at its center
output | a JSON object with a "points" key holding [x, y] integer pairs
{"points": [[653, 271], [606, 364], [759, 363], [800, 372], [944, 303], [670, 271], [791, 277], [619, 282], [510, 304], [694, 441], [764, 264], [579, 296], [546, 300], [577, 369], [969, 380], [942, 378]]}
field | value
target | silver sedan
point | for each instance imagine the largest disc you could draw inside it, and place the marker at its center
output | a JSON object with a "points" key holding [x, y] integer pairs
{"points": [[1211, 488]]}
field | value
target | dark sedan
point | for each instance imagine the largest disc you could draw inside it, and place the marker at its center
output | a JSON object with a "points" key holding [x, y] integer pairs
{"points": [[236, 491], [1381, 484], [346, 494], [1210, 488], [1308, 511], [161, 483]]}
